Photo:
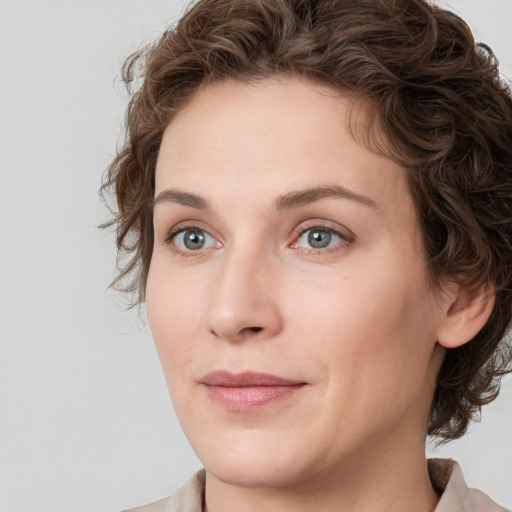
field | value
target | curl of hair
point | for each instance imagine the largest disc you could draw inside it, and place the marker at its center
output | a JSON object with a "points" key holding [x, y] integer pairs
{"points": [[436, 95]]}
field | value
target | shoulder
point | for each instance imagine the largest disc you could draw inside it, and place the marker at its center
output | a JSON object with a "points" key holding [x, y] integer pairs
{"points": [[188, 498], [456, 496]]}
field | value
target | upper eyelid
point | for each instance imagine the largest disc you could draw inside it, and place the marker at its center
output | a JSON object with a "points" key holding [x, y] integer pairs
{"points": [[320, 227], [327, 226], [184, 226]]}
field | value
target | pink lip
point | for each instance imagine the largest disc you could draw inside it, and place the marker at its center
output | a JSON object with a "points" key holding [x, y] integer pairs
{"points": [[247, 391]]}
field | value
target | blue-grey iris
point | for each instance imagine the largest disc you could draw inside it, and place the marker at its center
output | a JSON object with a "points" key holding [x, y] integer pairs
{"points": [[193, 239], [319, 239]]}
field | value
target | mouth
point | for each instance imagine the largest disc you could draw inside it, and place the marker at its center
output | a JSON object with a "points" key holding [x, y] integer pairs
{"points": [[247, 391]]}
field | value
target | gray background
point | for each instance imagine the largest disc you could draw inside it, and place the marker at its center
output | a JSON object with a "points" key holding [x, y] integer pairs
{"points": [[85, 421]]}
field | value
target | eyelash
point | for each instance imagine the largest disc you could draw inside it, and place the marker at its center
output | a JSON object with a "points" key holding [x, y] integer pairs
{"points": [[345, 238]]}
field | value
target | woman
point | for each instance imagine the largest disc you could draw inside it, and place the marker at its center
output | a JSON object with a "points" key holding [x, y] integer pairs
{"points": [[315, 202]]}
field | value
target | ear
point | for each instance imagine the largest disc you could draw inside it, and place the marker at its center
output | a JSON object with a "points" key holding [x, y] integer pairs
{"points": [[466, 314]]}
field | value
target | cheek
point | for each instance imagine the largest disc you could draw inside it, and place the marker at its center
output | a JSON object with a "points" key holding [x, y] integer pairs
{"points": [[374, 331], [173, 315]]}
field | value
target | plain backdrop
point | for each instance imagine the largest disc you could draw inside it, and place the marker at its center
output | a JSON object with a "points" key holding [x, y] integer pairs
{"points": [[85, 421]]}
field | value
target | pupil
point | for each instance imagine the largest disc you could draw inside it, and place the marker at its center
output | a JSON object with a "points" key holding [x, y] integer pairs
{"points": [[319, 239], [193, 240]]}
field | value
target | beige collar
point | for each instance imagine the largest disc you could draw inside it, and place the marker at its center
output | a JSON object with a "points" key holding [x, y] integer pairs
{"points": [[446, 477]]}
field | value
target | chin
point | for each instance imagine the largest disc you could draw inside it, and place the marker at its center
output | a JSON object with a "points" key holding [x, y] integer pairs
{"points": [[252, 462], [254, 473]]}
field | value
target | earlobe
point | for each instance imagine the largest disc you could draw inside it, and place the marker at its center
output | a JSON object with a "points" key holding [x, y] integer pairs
{"points": [[466, 315]]}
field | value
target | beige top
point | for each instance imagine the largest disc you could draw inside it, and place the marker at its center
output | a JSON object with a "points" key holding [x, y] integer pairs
{"points": [[445, 474]]}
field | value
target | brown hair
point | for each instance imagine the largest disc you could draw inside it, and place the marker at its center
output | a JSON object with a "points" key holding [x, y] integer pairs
{"points": [[438, 96]]}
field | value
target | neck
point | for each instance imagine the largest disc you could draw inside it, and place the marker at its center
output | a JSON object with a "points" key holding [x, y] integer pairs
{"points": [[397, 480]]}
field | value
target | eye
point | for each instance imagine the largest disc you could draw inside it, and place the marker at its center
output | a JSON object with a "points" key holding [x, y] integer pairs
{"points": [[320, 237], [192, 239]]}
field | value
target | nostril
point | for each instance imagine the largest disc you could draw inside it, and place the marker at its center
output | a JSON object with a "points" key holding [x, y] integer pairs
{"points": [[256, 329]]}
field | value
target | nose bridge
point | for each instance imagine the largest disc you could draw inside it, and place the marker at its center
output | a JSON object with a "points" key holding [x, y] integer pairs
{"points": [[242, 302]]}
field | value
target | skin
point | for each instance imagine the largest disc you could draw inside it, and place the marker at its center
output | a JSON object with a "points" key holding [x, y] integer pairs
{"points": [[356, 321]]}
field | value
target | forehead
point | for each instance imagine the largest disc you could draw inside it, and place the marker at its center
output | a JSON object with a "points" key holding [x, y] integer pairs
{"points": [[271, 136]]}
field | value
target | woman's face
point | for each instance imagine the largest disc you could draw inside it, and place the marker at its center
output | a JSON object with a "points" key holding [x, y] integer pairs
{"points": [[287, 293]]}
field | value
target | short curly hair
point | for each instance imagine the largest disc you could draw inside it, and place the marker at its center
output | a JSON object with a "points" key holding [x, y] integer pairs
{"points": [[436, 95]]}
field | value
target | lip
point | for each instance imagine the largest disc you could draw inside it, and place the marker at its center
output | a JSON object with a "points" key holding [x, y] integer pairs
{"points": [[247, 391]]}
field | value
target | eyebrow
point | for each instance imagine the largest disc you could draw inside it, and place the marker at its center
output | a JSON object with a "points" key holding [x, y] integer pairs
{"points": [[296, 199], [183, 198], [288, 201]]}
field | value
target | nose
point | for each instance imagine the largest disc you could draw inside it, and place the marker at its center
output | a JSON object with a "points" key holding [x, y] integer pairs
{"points": [[244, 303]]}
